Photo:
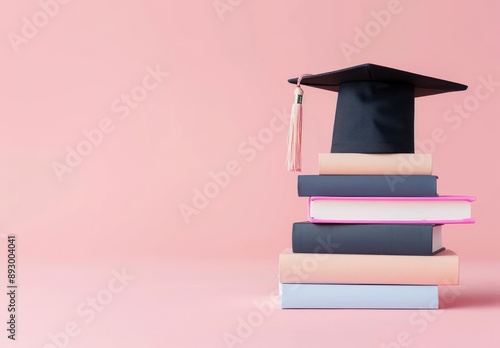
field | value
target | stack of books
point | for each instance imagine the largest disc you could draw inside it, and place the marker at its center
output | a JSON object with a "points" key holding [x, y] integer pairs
{"points": [[374, 236]]}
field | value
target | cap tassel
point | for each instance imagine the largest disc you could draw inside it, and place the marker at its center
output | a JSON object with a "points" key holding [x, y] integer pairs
{"points": [[293, 162], [293, 159]]}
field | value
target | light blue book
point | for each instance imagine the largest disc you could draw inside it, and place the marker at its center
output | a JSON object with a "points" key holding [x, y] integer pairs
{"points": [[359, 296]]}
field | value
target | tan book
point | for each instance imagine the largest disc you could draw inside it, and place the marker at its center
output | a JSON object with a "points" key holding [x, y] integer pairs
{"points": [[440, 269], [375, 164]]}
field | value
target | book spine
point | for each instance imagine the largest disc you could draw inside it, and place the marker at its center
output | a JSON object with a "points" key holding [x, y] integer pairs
{"points": [[440, 269], [382, 164], [359, 296], [376, 239], [367, 185]]}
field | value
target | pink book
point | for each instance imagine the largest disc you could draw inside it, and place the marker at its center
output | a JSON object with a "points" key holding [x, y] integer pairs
{"points": [[414, 210]]}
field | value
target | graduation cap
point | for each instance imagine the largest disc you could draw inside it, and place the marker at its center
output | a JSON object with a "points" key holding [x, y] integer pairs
{"points": [[375, 109]]}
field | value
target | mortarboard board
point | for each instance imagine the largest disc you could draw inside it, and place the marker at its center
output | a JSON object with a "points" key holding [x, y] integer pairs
{"points": [[375, 107]]}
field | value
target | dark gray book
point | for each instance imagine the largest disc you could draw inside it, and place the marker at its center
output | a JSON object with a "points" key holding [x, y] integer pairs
{"points": [[376, 239], [367, 185]]}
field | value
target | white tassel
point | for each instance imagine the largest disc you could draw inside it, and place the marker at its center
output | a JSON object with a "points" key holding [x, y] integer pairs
{"points": [[293, 160]]}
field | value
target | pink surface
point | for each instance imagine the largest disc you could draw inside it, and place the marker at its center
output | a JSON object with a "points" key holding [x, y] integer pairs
{"points": [[182, 303], [142, 133]]}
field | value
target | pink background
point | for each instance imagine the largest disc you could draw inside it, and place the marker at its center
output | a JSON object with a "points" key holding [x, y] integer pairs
{"points": [[227, 71]]}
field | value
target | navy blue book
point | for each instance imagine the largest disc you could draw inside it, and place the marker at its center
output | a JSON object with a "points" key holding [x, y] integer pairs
{"points": [[375, 239], [367, 185]]}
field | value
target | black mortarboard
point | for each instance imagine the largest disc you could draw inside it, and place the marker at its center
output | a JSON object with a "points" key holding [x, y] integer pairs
{"points": [[375, 106]]}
